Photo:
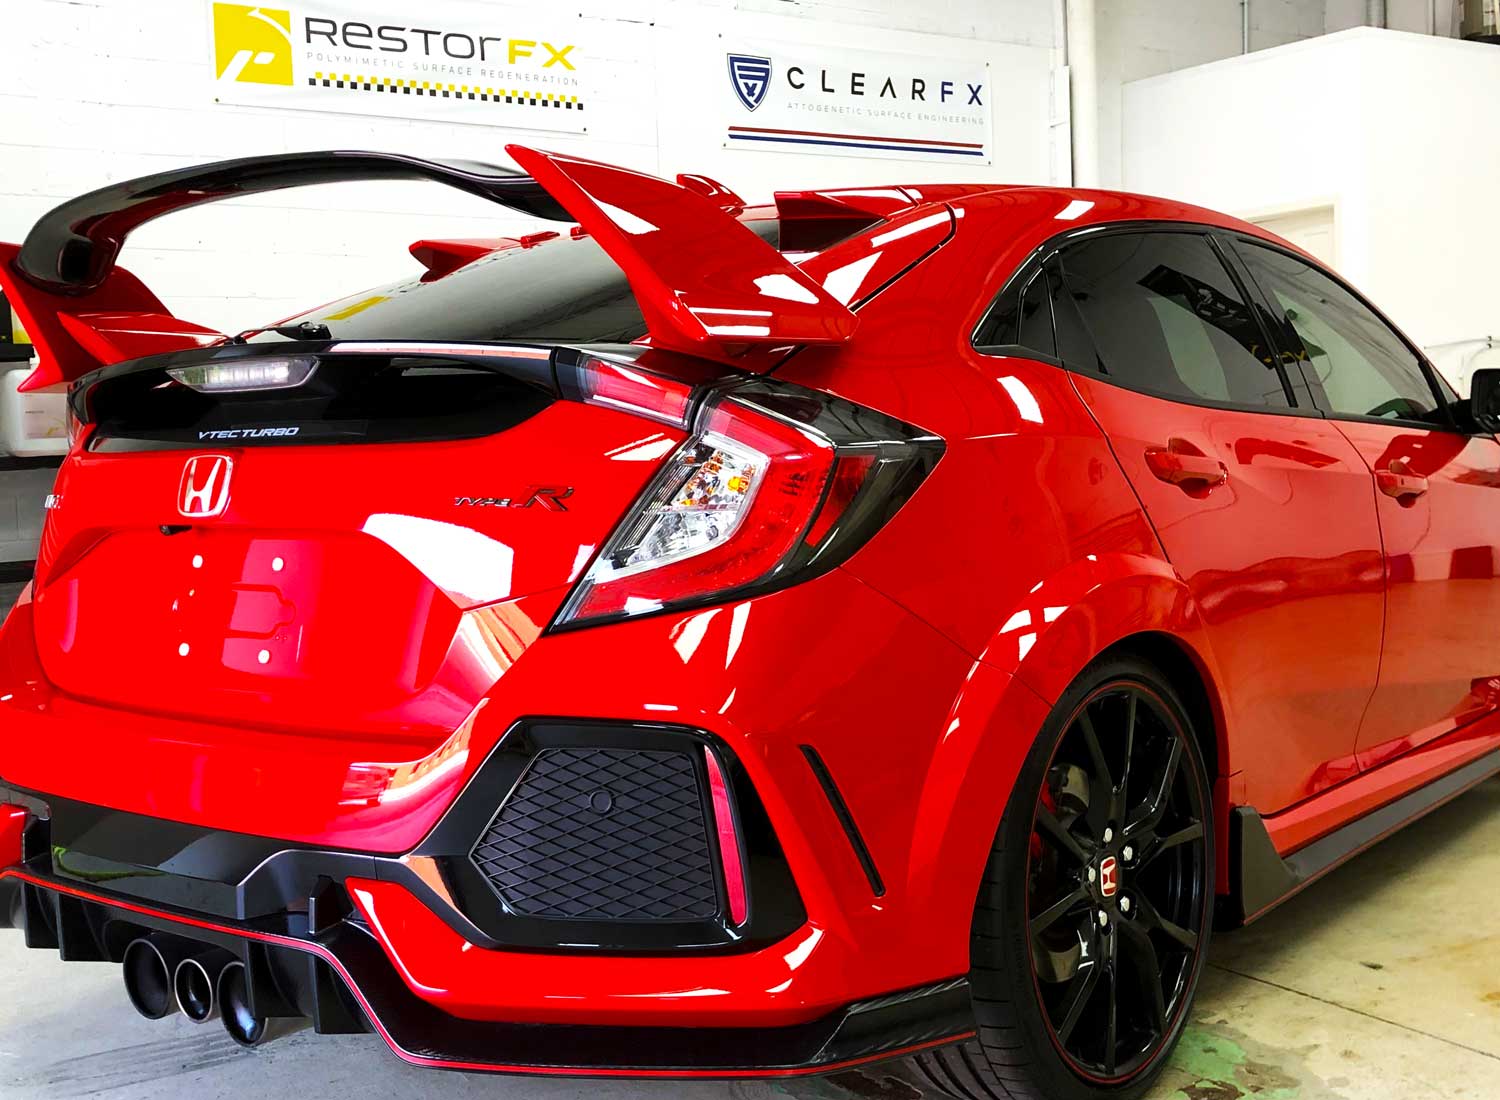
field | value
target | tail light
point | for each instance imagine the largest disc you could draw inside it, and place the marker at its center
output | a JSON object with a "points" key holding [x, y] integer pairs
{"points": [[775, 485]]}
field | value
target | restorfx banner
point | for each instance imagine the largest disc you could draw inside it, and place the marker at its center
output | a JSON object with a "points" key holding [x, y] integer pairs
{"points": [[449, 62], [824, 99]]}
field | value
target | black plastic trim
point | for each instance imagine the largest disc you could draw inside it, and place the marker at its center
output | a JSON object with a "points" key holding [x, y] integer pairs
{"points": [[10, 463], [1264, 879], [846, 819], [73, 248], [860, 1031]]}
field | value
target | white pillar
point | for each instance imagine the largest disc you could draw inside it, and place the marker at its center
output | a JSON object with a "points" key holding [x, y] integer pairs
{"points": [[1083, 72]]}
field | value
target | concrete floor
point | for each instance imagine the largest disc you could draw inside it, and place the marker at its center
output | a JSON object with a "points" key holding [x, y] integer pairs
{"points": [[1382, 982]]}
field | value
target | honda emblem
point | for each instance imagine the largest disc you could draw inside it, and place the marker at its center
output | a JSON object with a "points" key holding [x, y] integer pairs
{"points": [[1109, 879], [204, 492]]}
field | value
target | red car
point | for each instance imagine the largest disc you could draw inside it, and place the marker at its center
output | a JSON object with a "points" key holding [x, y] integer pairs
{"points": [[717, 640]]}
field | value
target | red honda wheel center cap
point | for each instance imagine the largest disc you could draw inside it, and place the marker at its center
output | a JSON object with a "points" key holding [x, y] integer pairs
{"points": [[1109, 876]]}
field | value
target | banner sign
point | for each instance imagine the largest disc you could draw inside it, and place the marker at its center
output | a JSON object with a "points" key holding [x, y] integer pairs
{"points": [[433, 62], [822, 99], [15, 345]]}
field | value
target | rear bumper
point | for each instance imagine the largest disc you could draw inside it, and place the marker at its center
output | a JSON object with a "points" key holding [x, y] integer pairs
{"points": [[919, 740], [94, 924]]}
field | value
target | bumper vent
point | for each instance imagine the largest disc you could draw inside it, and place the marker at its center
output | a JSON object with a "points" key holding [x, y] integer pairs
{"points": [[603, 834]]}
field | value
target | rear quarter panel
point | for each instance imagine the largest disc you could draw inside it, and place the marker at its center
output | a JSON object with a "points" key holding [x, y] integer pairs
{"points": [[1026, 546]]}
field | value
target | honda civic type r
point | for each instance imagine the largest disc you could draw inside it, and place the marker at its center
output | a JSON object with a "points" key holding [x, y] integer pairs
{"points": [[714, 640]]}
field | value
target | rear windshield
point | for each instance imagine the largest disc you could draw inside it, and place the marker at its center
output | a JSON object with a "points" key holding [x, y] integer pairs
{"points": [[565, 290]]}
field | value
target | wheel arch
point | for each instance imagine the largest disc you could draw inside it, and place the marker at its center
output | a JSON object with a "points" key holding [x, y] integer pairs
{"points": [[1120, 603]]}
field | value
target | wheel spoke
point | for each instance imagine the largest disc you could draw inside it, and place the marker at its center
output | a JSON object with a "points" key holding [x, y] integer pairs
{"points": [[1048, 825], [1084, 984], [1096, 750], [1156, 806], [1121, 793], [1186, 835], [1055, 912], [1112, 1028], [1153, 919], [1148, 973]]}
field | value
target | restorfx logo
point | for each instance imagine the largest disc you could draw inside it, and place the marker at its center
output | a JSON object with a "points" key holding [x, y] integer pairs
{"points": [[255, 45], [252, 45]]}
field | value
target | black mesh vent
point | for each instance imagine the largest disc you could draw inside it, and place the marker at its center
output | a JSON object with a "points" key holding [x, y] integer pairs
{"points": [[615, 834]]}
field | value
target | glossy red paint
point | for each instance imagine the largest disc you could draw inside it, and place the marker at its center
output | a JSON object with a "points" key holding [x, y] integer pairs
{"points": [[1278, 541], [351, 655], [442, 257], [68, 344], [704, 282], [12, 825], [1300, 825], [800, 979], [1441, 666]]}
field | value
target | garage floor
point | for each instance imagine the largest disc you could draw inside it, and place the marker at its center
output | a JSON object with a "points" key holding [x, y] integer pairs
{"points": [[1381, 981]]}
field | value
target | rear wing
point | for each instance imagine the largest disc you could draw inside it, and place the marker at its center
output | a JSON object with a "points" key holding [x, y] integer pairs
{"points": [[707, 285]]}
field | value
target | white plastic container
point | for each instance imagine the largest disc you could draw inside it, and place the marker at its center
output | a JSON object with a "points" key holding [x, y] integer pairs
{"points": [[31, 424]]}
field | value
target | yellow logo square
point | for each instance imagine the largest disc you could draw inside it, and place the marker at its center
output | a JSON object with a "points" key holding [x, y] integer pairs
{"points": [[252, 45]]}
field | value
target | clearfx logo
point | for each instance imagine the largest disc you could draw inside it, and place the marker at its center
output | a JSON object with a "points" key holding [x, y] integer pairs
{"points": [[751, 78], [252, 45]]}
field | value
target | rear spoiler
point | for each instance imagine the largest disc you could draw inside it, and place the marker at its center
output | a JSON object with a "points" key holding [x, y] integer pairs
{"points": [[706, 284]]}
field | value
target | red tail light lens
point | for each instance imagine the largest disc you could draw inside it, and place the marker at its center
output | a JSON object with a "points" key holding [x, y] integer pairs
{"points": [[621, 386], [775, 485], [724, 511]]}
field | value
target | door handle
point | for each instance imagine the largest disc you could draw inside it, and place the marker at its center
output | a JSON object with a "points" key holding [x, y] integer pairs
{"points": [[1398, 481], [1182, 464]]}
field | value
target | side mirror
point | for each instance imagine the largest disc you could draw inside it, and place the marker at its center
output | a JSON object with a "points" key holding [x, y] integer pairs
{"points": [[1484, 399]]}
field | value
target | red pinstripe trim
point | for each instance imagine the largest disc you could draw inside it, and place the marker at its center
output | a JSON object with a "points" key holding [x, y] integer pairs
{"points": [[854, 137], [481, 1067]]}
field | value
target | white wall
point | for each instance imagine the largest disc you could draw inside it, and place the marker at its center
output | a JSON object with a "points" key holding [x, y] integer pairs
{"points": [[1385, 126], [96, 91], [1141, 38]]}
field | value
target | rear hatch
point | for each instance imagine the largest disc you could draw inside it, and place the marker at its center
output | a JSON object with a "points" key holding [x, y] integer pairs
{"points": [[296, 529], [303, 556]]}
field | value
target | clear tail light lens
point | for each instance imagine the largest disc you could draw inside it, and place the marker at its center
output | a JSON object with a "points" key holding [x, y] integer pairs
{"points": [[775, 485]]}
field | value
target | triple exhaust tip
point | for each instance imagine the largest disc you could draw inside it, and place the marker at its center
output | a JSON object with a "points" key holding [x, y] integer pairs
{"points": [[195, 982], [163, 974]]}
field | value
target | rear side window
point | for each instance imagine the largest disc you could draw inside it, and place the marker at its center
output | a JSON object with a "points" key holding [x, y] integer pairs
{"points": [[1361, 366], [1020, 320], [565, 290], [1164, 315]]}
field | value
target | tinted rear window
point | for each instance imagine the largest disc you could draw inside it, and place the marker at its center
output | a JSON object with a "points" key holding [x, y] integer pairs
{"points": [[564, 290], [1166, 317]]}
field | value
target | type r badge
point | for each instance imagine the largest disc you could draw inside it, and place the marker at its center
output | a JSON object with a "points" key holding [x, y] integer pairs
{"points": [[550, 500]]}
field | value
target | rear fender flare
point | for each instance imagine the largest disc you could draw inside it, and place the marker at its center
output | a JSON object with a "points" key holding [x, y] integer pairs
{"points": [[1064, 623]]}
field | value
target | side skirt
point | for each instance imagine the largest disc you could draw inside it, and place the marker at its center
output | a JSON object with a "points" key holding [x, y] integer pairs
{"points": [[1264, 879]]}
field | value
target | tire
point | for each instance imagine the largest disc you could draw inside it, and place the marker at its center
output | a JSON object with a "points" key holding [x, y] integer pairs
{"points": [[1043, 1034]]}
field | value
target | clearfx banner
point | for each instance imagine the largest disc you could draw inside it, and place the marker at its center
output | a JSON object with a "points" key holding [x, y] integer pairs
{"points": [[824, 99], [415, 59]]}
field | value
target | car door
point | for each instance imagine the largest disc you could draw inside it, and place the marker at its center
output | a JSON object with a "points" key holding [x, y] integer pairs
{"points": [[1263, 507], [1438, 499]]}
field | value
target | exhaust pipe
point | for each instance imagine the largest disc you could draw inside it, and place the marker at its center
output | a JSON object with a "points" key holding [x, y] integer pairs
{"points": [[194, 983], [148, 968], [244, 1027]]}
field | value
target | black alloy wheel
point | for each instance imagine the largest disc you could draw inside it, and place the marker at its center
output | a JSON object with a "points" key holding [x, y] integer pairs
{"points": [[1093, 917], [1117, 882]]}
